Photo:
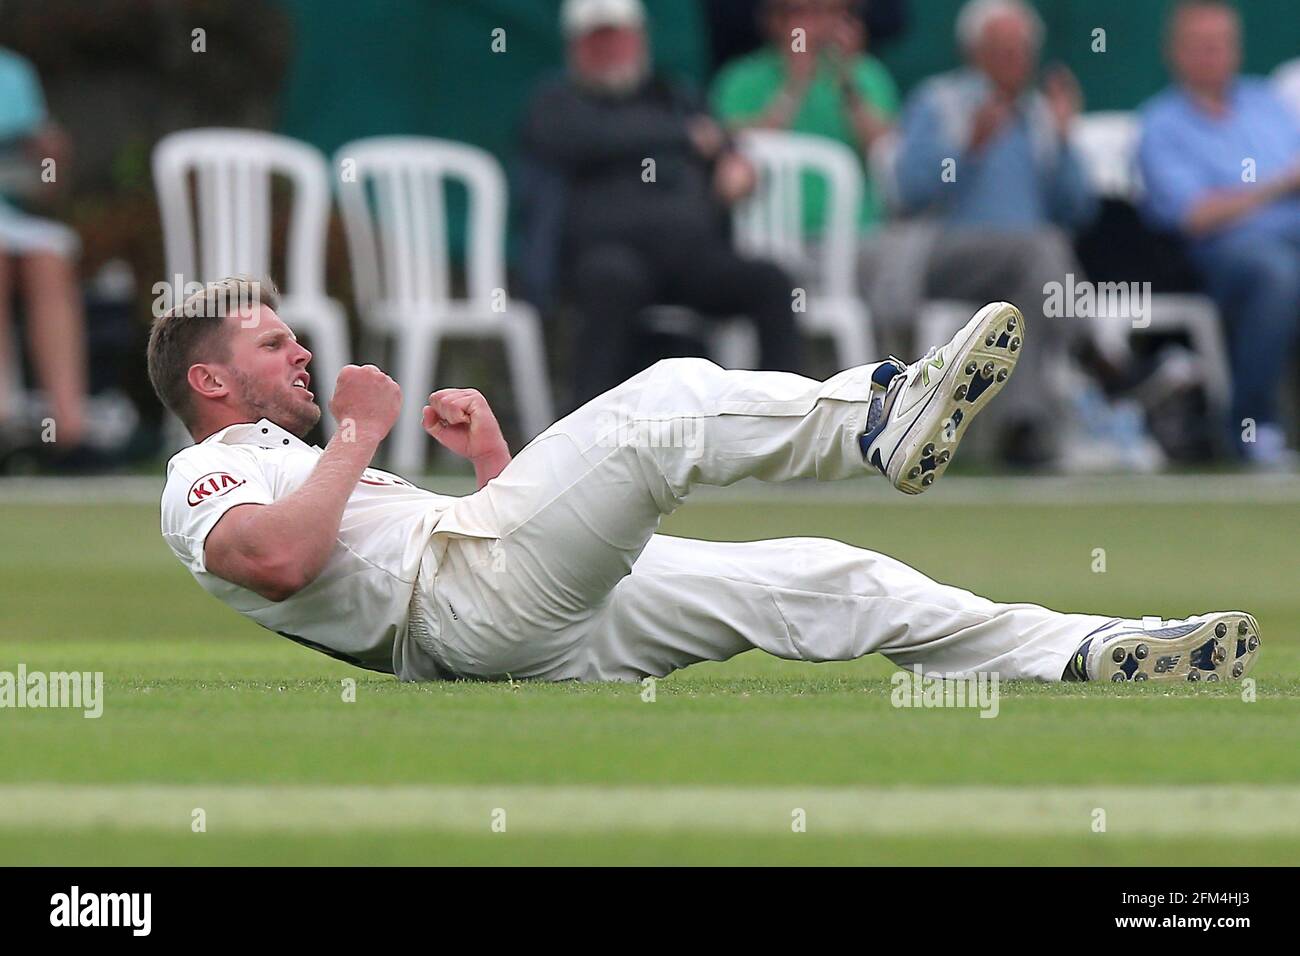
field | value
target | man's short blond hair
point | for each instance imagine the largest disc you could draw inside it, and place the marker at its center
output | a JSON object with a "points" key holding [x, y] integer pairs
{"points": [[193, 331]]}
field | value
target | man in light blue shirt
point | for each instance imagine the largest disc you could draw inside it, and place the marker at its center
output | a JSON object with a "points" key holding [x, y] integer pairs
{"points": [[1013, 168], [1220, 156], [985, 159]]}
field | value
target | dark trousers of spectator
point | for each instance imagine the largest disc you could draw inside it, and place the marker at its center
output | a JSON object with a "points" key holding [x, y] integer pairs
{"points": [[1255, 280], [612, 283]]}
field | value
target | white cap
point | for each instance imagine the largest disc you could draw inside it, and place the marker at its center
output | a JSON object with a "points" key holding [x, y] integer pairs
{"points": [[582, 16]]}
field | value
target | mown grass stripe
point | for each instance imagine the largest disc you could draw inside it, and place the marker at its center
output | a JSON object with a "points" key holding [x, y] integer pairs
{"points": [[1129, 811]]}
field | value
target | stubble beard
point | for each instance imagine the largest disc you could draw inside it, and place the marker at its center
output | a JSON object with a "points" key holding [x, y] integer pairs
{"points": [[295, 416]]}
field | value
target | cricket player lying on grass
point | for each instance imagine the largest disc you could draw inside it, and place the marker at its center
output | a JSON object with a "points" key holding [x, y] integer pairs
{"points": [[553, 569]]}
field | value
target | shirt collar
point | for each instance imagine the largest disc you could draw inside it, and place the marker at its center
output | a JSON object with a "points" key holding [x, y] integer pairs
{"points": [[1232, 99], [263, 432]]}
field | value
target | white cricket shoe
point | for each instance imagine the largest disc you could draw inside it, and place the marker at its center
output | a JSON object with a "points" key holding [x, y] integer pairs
{"points": [[1209, 647], [928, 405]]}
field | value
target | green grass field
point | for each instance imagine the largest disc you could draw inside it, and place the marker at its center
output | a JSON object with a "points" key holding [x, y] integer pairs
{"points": [[205, 711]]}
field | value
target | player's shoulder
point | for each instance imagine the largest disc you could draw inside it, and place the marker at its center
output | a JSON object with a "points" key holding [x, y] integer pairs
{"points": [[206, 455], [208, 478], [211, 467]]}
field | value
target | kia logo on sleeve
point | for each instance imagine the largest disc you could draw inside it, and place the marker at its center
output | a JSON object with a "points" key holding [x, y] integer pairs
{"points": [[212, 485]]}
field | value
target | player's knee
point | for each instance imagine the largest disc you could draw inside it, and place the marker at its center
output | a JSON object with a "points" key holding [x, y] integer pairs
{"points": [[684, 367], [676, 378]]}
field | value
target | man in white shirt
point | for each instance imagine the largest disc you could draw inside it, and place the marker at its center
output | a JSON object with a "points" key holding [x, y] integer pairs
{"points": [[553, 569]]}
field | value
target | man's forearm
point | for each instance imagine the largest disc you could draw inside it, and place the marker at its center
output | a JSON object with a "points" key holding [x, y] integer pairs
{"points": [[301, 528], [1222, 208], [489, 466]]}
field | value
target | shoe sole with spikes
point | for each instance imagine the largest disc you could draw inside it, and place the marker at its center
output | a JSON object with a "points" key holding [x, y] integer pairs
{"points": [[973, 367], [1221, 647]]}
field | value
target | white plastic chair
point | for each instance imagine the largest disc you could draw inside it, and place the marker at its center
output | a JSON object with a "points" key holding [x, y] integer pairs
{"points": [[1194, 315], [882, 162], [391, 193], [1107, 143], [1286, 84], [233, 171], [771, 224]]}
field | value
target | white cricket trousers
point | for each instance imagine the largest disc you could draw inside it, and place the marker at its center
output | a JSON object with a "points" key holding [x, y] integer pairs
{"points": [[577, 584]]}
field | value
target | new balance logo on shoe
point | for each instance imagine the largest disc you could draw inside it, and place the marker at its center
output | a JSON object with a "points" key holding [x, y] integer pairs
{"points": [[925, 416], [936, 362], [1166, 664]]}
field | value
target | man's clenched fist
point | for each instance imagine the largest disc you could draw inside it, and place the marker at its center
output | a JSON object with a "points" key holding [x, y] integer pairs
{"points": [[368, 398], [460, 420]]}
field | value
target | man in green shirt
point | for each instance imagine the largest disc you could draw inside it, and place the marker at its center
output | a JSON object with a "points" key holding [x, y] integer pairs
{"points": [[814, 77]]}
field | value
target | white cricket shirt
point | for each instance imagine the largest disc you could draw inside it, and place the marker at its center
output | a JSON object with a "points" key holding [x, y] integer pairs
{"points": [[356, 609]]}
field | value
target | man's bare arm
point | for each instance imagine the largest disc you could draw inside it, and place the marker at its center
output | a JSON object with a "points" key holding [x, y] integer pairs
{"points": [[280, 548], [489, 466], [461, 420]]}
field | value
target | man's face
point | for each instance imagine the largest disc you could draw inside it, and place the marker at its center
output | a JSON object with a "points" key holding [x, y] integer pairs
{"points": [[268, 369], [1205, 47], [1005, 53], [612, 59]]}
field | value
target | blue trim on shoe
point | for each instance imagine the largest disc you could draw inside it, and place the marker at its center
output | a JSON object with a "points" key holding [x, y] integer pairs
{"points": [[878, 415], [1078, 666], [875, 424], [884, 372]]}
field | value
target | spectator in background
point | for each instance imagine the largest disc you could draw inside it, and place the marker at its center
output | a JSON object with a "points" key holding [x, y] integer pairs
{"points": [[648, 179], [38, 256], [1220, 156], [985, 158], [818, 81], [738, 27]]}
